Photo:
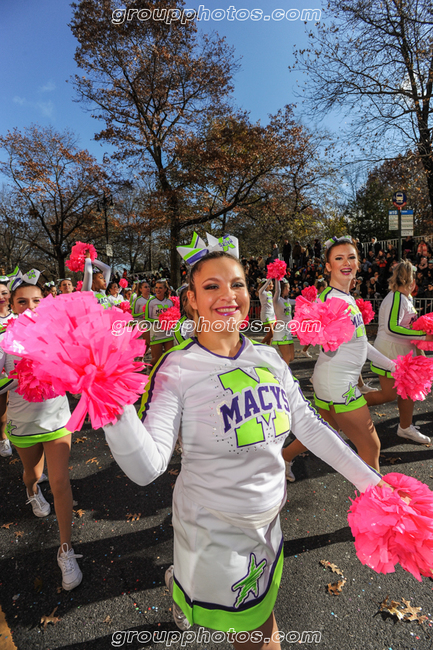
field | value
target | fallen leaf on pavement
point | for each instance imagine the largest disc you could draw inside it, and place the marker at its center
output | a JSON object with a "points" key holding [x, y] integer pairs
{"points": [[334, 568], [336, 587], [50, 619], [38, 583]]}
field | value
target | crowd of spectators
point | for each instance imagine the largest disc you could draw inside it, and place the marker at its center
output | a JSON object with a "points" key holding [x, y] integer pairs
{"points": [[305, 266]]}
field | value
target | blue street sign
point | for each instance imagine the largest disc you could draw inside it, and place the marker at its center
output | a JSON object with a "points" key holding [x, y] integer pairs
{"points": [[399, 199]]}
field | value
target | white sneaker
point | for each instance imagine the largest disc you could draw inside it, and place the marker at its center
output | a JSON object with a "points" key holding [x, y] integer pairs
{"points": [[41, 508], [289, 474], [305, 353], [5, 448], [412, 433], [366, 388], [43, 478], [178, 616], [71, 573]]}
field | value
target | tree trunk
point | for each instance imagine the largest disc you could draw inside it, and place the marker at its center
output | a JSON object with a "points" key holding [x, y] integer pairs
{"points": [[174, 255]]}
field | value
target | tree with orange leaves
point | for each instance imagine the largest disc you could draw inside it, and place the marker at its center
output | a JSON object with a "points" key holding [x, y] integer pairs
{"points": [[56, 186], [163, 92]]}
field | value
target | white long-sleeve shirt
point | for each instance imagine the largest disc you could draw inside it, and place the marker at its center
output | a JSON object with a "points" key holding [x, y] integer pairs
{"points": [[235, 414], [100, 295], [396, 316]]}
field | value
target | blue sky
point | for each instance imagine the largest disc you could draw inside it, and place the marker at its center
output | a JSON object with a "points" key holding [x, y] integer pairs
{"points": [[38, 50]]}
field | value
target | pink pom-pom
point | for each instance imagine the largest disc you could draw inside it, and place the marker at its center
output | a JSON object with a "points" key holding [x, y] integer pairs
{"points": [[79, 285], [125, 306], [276, 270], [389, 531], [123, 283], [176, 301], [169, 318], [309, 293], [424, 324], [31, 388], [81, 348], [423, 345], [322, 323], [413, 376], [366, 310], [75, 262]]}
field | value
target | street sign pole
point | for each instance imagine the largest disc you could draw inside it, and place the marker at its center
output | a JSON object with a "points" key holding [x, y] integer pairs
{"points": [[399, 235], [399, 200]]}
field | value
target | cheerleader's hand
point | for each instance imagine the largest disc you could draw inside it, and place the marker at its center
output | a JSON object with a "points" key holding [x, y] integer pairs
{"points": [[403, 495]]}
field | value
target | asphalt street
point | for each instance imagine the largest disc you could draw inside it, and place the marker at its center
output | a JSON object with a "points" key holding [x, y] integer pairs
{"points": [[124, 533]]}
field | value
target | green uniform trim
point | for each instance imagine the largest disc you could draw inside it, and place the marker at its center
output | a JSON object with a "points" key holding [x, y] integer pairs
{"points": [[141, 313], [282, 342], [5, 382], [227, 620], [29, 441], [176, 330], [322, 296], [149, 384], [340, 408], [381, 371], [393, 325], [170, 338]]}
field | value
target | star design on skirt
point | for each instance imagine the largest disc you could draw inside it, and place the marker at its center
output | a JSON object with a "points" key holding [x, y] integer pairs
{"points": [[350, 394], [10, 427], [250, 582]]}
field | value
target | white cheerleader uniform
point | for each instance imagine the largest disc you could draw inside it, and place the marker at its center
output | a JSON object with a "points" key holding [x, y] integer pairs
{"points": [[267, 314], [335, 377], [283, 313], [394, 333], [184, 329], [154, 307], [235, 413], [100, 295], [115, 300], [31, 422], [138, 306]]}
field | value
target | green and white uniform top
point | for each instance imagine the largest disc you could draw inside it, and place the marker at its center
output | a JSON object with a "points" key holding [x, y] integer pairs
{"points": [[394, 333], [100, 295], [154, 307], [31, 422], [267, 313], [184, 329], [5, 319], [115, 300], [283, 315], [235, 413], [139, 305], [335, 377], [396, 315]]}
